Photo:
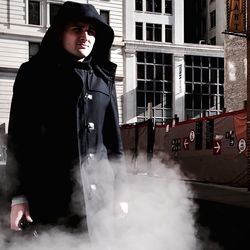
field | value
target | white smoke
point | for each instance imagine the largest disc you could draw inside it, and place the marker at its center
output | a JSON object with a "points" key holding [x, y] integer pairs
{"points": [[161, 216]]}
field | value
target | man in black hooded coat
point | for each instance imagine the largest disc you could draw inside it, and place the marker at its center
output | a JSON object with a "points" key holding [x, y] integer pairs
{"points": [[64, 124]]}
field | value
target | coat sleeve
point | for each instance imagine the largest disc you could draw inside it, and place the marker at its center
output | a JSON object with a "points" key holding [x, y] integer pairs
{"points": [[114, 145], [20, 132]]}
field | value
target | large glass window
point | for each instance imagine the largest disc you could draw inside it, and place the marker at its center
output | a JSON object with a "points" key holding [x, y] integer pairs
{"points": [[154, 86], [212, 19], [138, 31], [138, 5], [154, 32], [34, 12], [33, 48], [168, 6], [168, 33], [54, 8], [105, 15], [204, 80], [153, 5]]}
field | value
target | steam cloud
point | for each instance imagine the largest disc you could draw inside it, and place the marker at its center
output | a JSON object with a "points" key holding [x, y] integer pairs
{"points": [[161, 217]]}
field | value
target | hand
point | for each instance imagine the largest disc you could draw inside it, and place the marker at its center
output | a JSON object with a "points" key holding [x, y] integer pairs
{"points": [[17, 212]]}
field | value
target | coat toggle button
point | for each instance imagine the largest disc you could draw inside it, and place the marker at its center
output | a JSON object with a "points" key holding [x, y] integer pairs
{"points": [[91, 126]]}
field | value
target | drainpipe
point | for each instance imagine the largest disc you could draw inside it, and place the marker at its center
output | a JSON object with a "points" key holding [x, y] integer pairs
{"points": [[248, 93]]}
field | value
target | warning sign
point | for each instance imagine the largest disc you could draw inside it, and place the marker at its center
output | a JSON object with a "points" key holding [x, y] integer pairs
{"points": [[217, 147], [185, 143], [242, 145]]}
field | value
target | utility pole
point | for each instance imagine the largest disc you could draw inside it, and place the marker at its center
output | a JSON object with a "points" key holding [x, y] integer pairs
{"points": [[248, 91]]}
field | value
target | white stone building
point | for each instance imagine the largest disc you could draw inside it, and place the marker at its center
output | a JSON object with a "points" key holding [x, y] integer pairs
{"points": [[183, 78], [23, 23], [156, 66]]}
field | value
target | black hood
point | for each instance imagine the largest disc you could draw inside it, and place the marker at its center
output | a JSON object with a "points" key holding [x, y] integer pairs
{"points": [[74, 12]]}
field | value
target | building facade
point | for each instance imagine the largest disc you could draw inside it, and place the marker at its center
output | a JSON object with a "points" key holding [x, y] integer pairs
{"points": [[162, 72], [166, 74], [23, 23]]}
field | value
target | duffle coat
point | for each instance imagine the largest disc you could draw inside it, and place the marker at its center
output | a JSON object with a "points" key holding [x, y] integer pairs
{"points": [[64, 144]]}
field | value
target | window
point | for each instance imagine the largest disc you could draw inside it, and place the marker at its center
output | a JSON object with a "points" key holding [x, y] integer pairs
{"points": [[105, 15], [33, 48], [168, 6], [34, 12], [204, 80], [153, 6], [54, 8], [138, 5], [154, 85], [139, 31], [212, 19], [168, 33], [153, 32]]}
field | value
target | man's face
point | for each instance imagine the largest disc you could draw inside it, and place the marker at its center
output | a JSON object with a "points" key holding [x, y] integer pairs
{"points": [[79, 38]]}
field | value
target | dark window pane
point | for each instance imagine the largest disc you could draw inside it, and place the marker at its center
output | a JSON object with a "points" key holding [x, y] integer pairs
{"points": [[221, 102], [205, 61], [221, 90], [138, 31], [138, 5], [158, 58], [168, 87], [221, 76], [168, 33], [213, 89], [149, 57], [149, 5], [150, 72], [54, 8], [140, 85], [149, 31], [213, 62], [140, 56], [140, 71], [212, 101], [188, 101], [140, 99], [159, 73], [189, 88], [158, 86], [33, 48], [157, 6], [34, 12], [197, 88], [158, 32], [205, 88], [221, 63], [213, 76], [149, 98], [205, 75], [197, 61], [158, 99], [188, 60], [205, 102], [168, 73], [197, 75], [168, 6], [188, 72], [168, 59], [150, 85], [197, 101], [168, 100]]}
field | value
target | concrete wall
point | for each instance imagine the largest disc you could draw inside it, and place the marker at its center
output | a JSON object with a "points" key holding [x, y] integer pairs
{"points": [[235, 72]]}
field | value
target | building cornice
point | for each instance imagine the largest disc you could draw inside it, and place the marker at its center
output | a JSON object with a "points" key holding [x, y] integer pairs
{"points": [[182, 49]]}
